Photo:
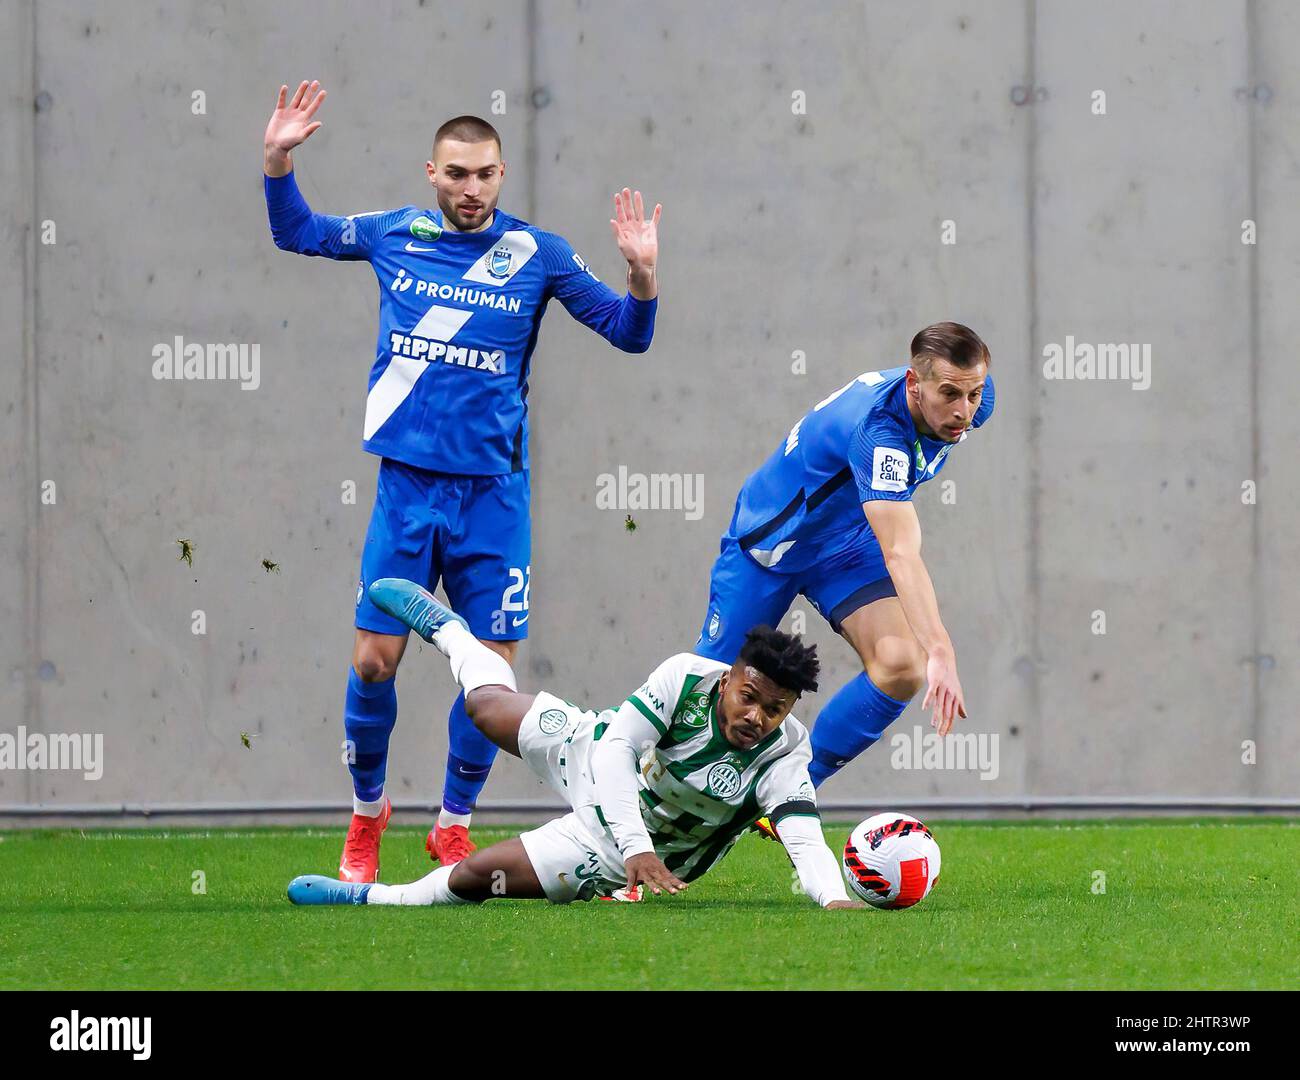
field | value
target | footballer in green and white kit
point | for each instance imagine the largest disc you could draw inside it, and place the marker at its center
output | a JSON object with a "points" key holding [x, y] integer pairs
{"points": [[659, 788]]}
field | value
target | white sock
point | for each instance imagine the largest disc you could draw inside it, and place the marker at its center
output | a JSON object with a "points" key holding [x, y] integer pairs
{"points": [[446, 819], [368, 809], [430, 889], [473, 664]]}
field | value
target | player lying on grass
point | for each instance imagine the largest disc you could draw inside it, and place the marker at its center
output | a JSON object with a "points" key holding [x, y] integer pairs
{"points": [[659, 788]]}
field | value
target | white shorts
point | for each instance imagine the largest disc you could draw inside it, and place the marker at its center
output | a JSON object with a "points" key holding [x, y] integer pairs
{"points": [[571, 862], [573, 856], [555, 740]]}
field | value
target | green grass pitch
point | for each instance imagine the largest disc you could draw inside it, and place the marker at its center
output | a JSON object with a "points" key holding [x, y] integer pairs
{"points": [[1187, 904]]}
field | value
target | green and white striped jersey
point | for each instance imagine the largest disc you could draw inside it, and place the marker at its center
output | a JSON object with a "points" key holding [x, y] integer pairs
{"points": [[697, 792]]}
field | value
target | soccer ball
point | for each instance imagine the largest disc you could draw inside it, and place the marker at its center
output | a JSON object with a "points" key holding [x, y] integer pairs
{"points": [[891, 861]]}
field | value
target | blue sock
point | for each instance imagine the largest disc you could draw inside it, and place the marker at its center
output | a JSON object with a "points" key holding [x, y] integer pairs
{"points": [[851, 721], [469, 760], [369, 715]]}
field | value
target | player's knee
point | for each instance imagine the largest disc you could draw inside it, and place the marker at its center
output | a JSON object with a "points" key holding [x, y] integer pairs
{"points": [[373, 666], [473, 879], [464, 874], [479, 705], [474, 706], [897, 666]]}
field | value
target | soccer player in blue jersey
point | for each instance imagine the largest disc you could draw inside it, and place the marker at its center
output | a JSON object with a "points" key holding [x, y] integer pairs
{"points": [[829, 515], [462, 290]]}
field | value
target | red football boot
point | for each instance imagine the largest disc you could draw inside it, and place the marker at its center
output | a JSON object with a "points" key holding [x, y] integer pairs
{"points": [[629, 894], [360, 861], [448, 846]]}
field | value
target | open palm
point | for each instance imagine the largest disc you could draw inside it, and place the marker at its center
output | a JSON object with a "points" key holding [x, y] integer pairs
{"points": [[637, 238], [292, 122]]}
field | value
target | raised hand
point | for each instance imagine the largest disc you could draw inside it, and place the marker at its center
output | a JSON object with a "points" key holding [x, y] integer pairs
{"points": [[638, 240], [291, 124]]}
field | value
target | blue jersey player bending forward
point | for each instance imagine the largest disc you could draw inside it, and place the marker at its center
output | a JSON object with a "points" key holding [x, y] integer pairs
{"points": [[462, 289], [829, 516]]}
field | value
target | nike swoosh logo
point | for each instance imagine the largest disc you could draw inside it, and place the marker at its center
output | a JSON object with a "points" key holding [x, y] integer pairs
{"points": [[519, 622], [411, 247]]}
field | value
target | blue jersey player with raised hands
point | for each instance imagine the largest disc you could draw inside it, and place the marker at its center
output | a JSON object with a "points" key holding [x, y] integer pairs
{"points": [[829, 516], [462, 290]]}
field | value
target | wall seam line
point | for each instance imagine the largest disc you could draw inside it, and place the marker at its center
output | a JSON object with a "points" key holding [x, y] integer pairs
{"points": [[1252, 330], [31, 418], [1033, 487]]}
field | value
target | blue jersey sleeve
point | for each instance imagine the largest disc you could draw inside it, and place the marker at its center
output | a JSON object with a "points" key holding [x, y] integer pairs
{"points": [[624, 321], [295, 228], [881, 460]]}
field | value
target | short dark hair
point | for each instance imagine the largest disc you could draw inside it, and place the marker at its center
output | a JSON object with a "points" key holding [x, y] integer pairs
{"points": [[783, 658], [950, 341], [470, 129]]}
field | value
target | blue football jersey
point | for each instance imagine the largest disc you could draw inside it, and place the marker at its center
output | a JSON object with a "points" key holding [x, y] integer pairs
{"points": [[804, 504], [459, 315]]}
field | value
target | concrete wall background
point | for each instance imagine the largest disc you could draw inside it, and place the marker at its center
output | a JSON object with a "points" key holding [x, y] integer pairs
{"points": [[781, 232]]}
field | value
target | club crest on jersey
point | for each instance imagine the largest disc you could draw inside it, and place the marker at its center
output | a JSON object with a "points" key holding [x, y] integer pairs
{"points": [[715, 621], [552, 721], [425, 228], [498, 262], [724, 780]]}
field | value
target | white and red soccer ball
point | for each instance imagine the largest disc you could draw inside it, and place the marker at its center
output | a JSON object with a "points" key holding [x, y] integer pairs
{"points": [[891, 861]]}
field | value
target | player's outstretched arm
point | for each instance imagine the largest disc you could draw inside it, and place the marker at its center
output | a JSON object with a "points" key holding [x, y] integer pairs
{"points": [[294, 226], [291, 124], [898, 529], [626, 322], [814, 862]]}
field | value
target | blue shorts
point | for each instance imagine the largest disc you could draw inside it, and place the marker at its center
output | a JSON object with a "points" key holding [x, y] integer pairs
{"points": [[743, 594], [470, 531]]}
